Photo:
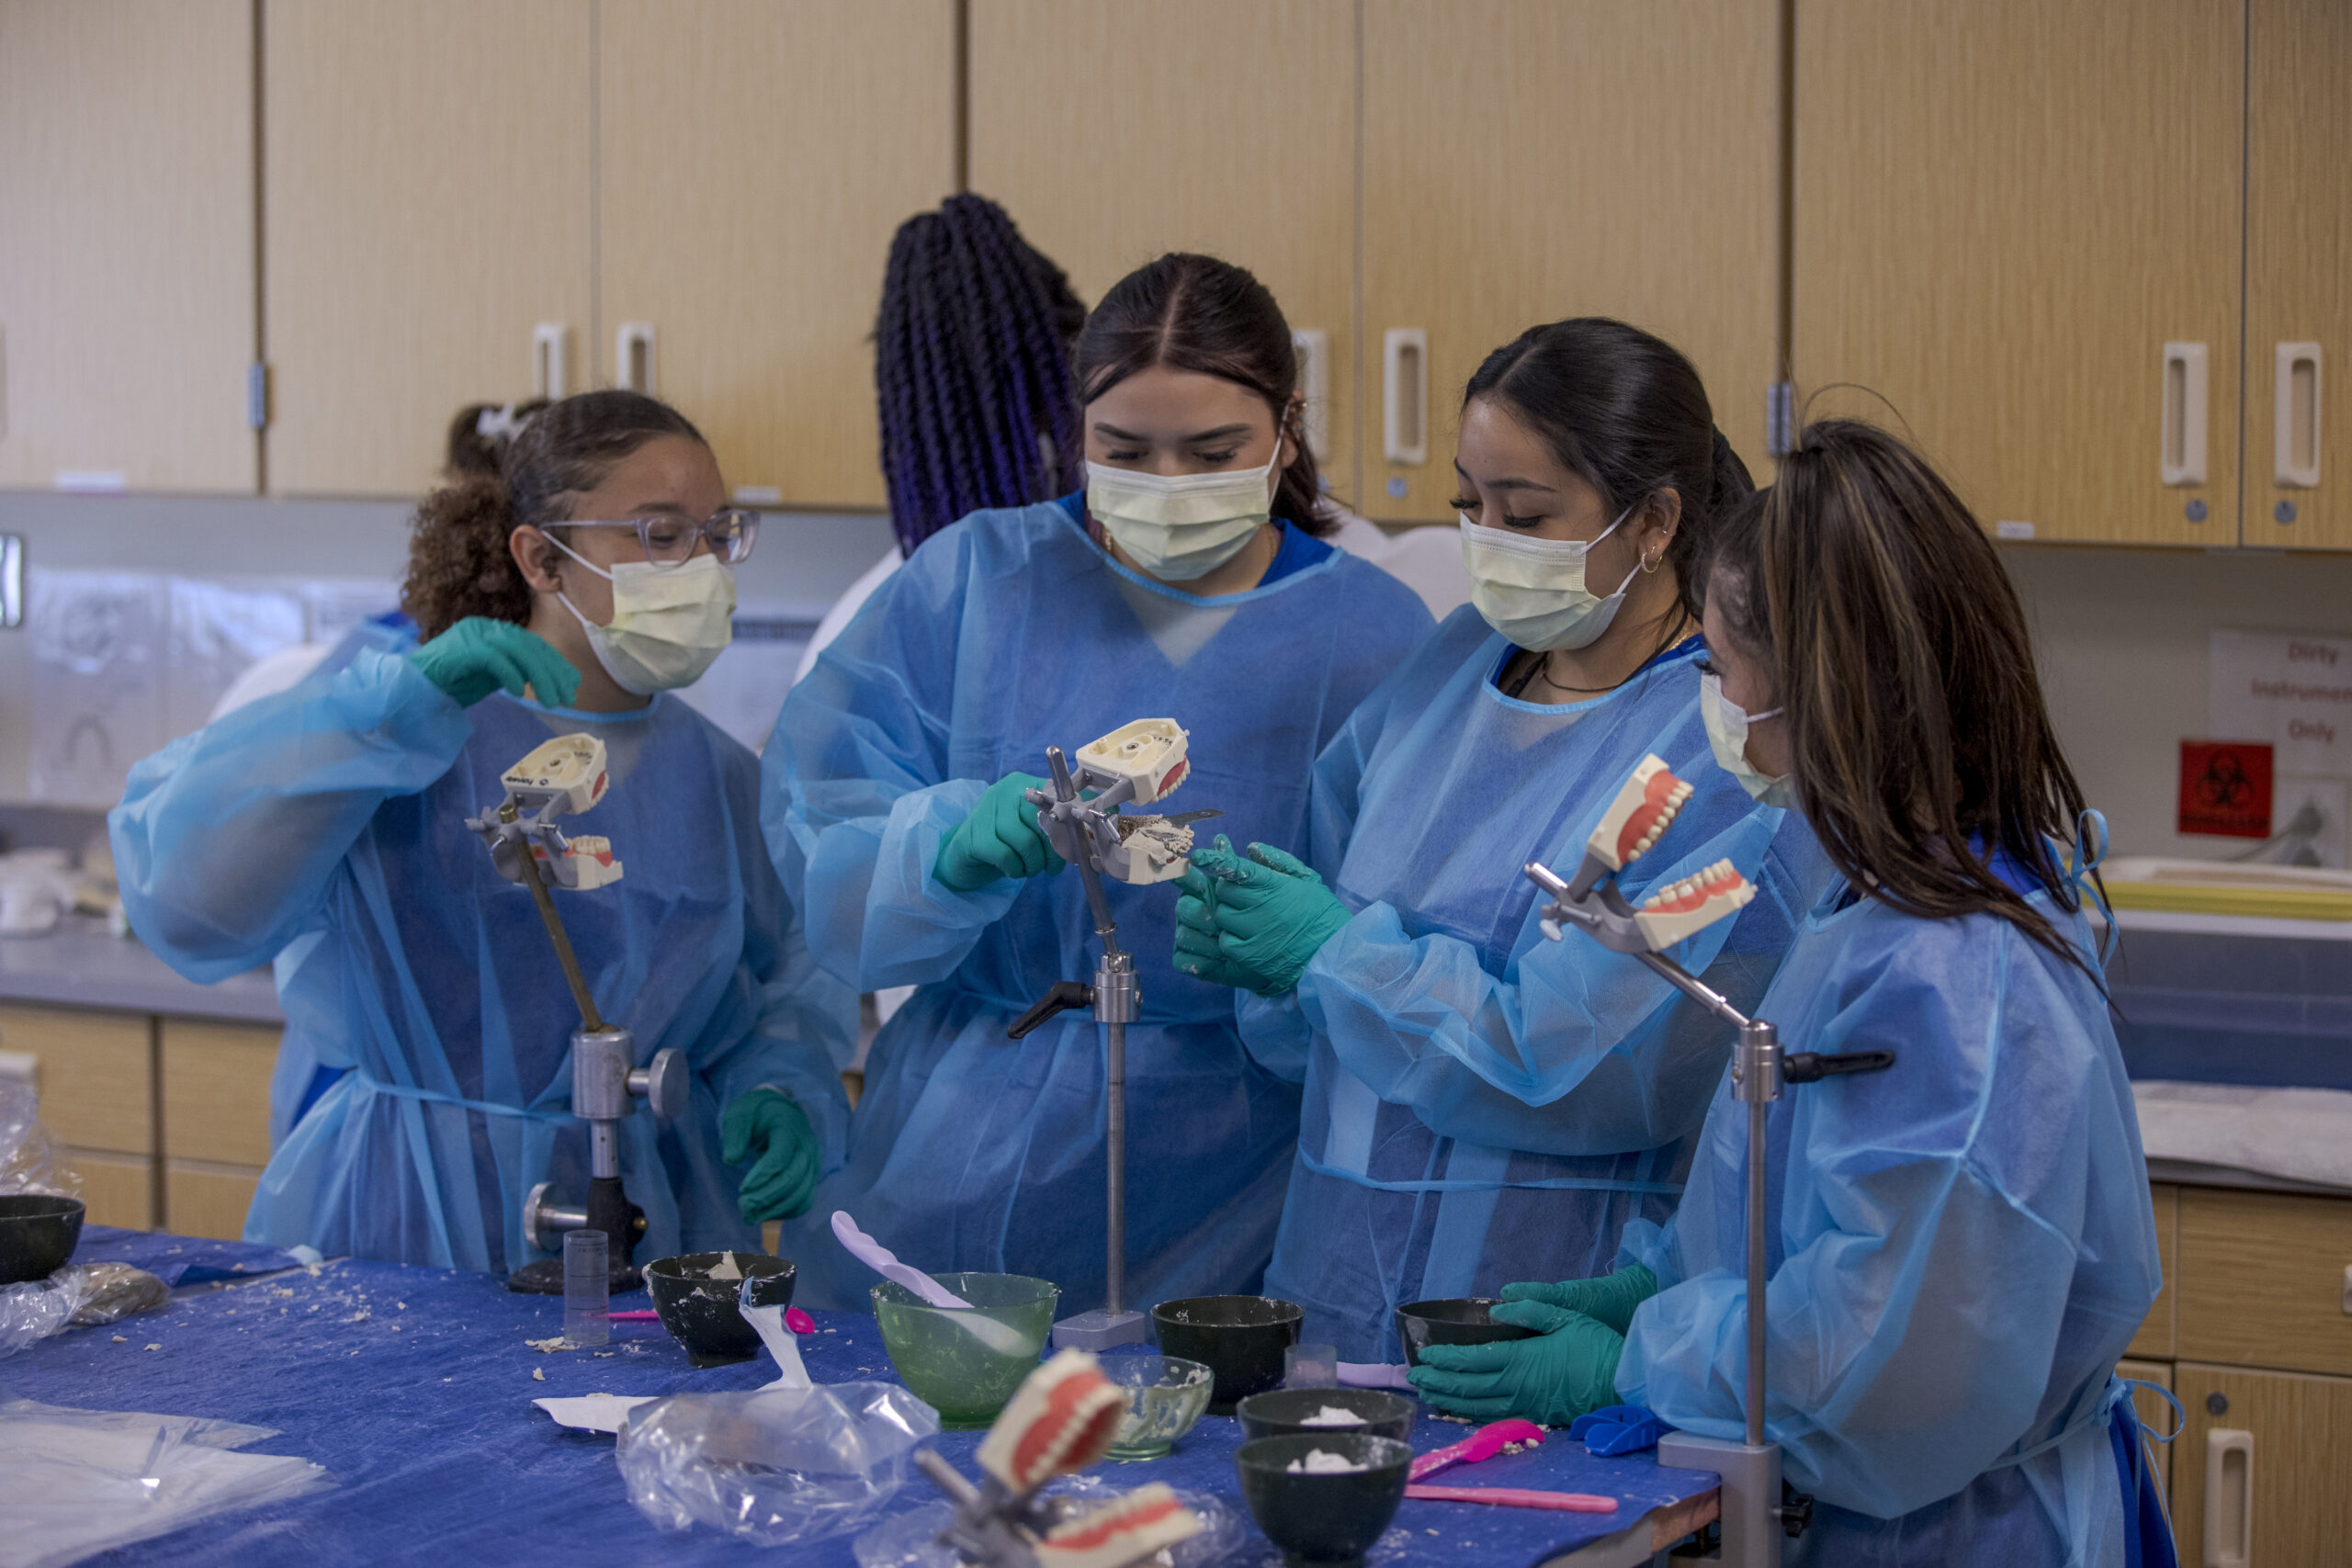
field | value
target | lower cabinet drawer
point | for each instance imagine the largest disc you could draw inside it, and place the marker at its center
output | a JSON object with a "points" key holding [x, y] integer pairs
{"points": [[208, 1199], [2262, 1473], [2261, 1280], [116, 1189]]}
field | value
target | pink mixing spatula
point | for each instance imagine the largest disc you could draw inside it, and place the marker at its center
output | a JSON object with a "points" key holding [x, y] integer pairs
{"points": [[1484, 1443], [1516, 1498]]}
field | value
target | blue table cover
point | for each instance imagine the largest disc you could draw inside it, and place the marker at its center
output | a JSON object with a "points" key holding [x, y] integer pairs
{"points": [[413, 1386], [180, 1260]]}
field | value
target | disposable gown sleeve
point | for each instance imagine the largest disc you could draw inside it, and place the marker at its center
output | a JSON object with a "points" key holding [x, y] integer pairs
{"points": [[856, 796], [226, 840], [1575, 1049], [1914, 1324]]}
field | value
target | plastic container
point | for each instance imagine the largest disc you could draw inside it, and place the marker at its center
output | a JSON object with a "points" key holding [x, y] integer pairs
{"points": [[959, 1373], [587, 1286], [1240, 1338], [1165, 1397], [1311, 1365], [1323, 1517], [1464, 1320]]}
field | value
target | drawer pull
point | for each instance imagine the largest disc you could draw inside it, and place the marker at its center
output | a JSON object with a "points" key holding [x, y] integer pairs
{"points": [[551, 361], [1405, 395], [2182, 458], [2229, 1498], [2295, 417]]}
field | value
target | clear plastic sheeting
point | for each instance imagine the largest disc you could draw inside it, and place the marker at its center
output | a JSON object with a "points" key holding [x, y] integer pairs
{"points": [[911, 1540], [27, 1162], [31, 1313], [776, 1467], [83, 1482]]}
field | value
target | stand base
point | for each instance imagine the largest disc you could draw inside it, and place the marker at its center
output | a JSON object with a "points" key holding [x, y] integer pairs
{"points": [[1750, 1509], [1099, 1331], [545, 1277]]}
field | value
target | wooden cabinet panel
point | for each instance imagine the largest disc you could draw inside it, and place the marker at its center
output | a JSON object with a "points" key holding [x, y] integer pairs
{"points": [[1234, 134], [2155, 1335], [95, 1075], [216, 1092], [2004, 210], [2154, 1413], [127, 242], [2299, 257], [756, 159], [1530, 160], [2262, 1279], [116, 1189], [207, 1200], [427, 193], [2300, 1473]]}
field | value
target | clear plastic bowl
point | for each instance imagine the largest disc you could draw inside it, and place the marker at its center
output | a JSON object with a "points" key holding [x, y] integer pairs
{"points": [[1165, 1397]]}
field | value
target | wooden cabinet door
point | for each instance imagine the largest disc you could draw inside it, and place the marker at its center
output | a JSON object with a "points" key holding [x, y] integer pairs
{"points": [[756, 159], [1530, 160], [2299, 274], [127, 243], [2289, 1479], [427, 173], [2004, 211], [1115, 131], [2262, 1277]]}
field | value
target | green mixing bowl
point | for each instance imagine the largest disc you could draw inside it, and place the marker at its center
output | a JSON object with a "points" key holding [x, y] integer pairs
{"points": [[1165, 1397], [963, 1369]]}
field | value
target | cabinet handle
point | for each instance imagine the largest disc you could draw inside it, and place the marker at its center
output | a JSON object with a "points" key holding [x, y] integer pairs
{"points": [[2295, 417], [551, 361], [1311, 346], [1404, 394], [2229, 1498], [633, 356], [2182, 461]]}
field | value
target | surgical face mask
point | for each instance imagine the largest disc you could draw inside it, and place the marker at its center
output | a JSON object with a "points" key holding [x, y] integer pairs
{"points": [[1533, 590], [669, 622], [1182, 526], [1727, 724]]}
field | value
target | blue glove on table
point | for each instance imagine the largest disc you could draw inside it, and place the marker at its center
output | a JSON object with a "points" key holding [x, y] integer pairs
{"points": [[999, 838], [781, 1182], [1270, 915], [1611, 1299], [1568, 1369], [478, 655]]}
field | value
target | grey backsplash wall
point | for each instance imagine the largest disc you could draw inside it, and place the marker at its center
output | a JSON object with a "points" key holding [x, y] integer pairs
{"points": [[2121, 633]]}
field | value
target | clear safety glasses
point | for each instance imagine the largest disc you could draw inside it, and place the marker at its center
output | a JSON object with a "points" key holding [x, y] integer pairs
{"points": [[671, 540]]}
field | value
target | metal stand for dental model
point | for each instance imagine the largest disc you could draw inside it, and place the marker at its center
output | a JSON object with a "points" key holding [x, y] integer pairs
{"points": [[528, 849], [1758, 1510]]}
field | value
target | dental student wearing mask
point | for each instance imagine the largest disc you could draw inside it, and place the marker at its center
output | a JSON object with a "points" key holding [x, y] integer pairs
{"points": [[1186, 580], [324, 827], [1962, 1244], [1478, 1098]]}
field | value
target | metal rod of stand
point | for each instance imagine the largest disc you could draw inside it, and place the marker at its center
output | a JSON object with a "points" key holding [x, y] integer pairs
{"points": [[563, 954], [1115, 1258], [1757, 1111]]}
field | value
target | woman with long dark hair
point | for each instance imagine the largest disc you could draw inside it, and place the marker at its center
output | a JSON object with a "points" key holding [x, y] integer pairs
{"points": [[1184, 580], [1962, 1244], [1482, 1104]]}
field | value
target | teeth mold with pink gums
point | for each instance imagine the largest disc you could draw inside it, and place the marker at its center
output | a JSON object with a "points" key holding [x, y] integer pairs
{"points": [[1644, 807], [1693, 904]]}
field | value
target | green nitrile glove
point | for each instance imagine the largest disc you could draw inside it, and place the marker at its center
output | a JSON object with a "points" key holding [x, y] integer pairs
{"points": [[999, 838], [478, 655], [1271, 912], [1611, 1299], [779, 1185], [1197, 953], [1568, 1369]]}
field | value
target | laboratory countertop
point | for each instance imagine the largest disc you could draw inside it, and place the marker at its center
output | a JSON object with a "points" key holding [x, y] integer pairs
{"points": [[78, 965], [413, 1387]]}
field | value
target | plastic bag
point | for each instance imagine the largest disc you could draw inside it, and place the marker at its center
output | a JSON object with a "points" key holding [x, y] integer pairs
{"points": [[82, 1482], [32, 1311], [911, 1540], [26, 1162], [112, 1291], [775, 1467]]}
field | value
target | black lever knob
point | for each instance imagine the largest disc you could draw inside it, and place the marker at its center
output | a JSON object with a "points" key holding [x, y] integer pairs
{"points": [[1066, 994], [1808, 1066]]}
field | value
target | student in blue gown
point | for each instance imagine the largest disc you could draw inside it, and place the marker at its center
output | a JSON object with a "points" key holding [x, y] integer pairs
{"points": [[1483, 1105], [324, 825], [1960, 1244], [1185, 581]]}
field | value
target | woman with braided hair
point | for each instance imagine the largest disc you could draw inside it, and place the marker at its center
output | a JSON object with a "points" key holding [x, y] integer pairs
{"points": [[1186, 579]]}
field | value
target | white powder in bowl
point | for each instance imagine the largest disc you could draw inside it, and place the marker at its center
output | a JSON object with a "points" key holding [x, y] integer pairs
{"points": [[1317, 1462], [1332, 1415]]}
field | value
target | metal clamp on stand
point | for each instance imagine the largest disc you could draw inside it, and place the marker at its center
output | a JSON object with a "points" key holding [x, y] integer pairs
{"points": [[567, 774], [1137, 765], [1757, 1509]]}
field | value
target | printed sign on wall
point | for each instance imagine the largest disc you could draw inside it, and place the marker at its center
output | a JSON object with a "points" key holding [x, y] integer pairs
{"points": [[2225, 788]]}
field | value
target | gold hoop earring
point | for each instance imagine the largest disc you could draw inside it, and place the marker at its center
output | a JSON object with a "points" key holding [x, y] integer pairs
{"points": [[1649, 563]]}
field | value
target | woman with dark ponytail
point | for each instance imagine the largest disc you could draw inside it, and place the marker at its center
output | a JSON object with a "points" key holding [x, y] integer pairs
{"points": [[569, 585], [1186, 580], [1482, 1104]]}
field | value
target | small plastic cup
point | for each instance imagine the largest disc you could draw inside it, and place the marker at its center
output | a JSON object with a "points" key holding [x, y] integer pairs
{"points": [[1310, 1365], [587, 1286]]}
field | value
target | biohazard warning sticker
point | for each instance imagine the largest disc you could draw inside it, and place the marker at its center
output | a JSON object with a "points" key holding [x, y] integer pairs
{"points": [[2225, 788]]}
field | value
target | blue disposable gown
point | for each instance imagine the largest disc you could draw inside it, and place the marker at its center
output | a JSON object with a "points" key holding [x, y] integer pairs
{"points": [[1964, 1246], [1484, 1105], [1008, 633], [329, 821]]}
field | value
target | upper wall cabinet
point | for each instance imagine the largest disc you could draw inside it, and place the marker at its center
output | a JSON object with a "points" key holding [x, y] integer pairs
{"points": [[2298, 275], [426, 219], [1530, 160], [127, 243], [1114, 130], [756, 160], [2017, 222]]}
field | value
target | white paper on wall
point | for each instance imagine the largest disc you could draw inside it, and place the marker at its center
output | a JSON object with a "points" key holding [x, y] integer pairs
{"points": [[219, 631], [2295, 691], [98, 645]]}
